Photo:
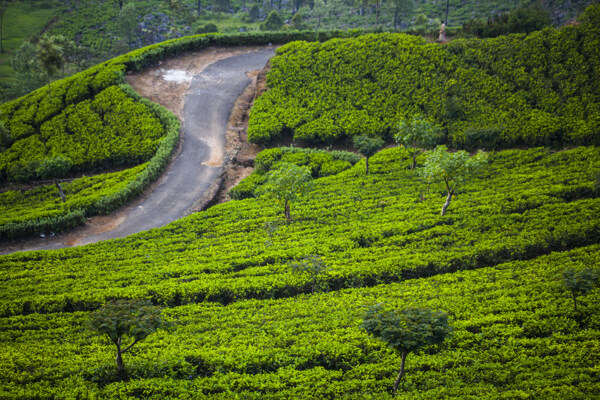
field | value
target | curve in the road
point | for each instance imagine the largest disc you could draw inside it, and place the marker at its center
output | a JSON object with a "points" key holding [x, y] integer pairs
{"points": [[207, 106]]}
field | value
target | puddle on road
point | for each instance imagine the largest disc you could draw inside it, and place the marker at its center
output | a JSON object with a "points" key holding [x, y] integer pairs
{"points": [[177, 75]]}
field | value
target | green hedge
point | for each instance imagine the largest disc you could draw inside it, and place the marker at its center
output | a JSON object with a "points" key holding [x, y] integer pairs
{"points": [[321, 163], [518, 90]]}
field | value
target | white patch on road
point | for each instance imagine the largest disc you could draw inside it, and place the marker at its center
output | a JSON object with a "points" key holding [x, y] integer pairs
{"points": [[177, 75]]}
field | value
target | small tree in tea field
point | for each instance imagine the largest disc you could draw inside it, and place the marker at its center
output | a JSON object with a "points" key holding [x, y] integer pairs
{"points": [[451, 169], [314, 267], [54, 169], [287, 183], [580, 282], [367, 146], [417, 134], [122, 318], [407, 331]]}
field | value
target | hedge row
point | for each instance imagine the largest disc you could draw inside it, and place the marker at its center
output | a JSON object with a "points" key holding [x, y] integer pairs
{"points": [[321, 163], [370, 229], [518, 90]]}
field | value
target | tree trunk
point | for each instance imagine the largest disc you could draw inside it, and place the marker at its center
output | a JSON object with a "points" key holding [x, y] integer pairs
{"points": [[119, 359], [199, 6], [414, 164], [446, 204], [396, 22], [60, 191], [120, 4], [397, 382], [318, 23], [367, 162], [287, 211], [1, 42]]}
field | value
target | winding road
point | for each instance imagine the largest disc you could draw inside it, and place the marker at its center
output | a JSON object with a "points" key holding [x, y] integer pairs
{"points": [[208, 103]]}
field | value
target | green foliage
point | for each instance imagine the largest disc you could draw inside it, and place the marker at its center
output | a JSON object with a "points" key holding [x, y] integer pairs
{"points": [[510, 91], [314, 267], [367, 147], [451, 169], [50, 51], [321, 163], [247, 188], [508, 321], [127, 21], [525, 19], [525, 204], [416, 134], [27, 68], [580, 282], [121, 318], [5, 139], [287, 183], [54, 168], [407, 330], [272, 23], [88, 119], [37, 211], [297, 22]]}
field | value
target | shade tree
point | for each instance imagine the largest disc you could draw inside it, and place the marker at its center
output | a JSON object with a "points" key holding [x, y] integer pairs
{"points": [[123, 319], [287, 183], [416, 134], [367, 146], [406, 331], [54, 169], [450, 169], [580, 282]]}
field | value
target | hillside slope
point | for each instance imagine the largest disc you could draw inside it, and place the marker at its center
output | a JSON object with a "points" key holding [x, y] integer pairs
{"points": [[510, 233]]}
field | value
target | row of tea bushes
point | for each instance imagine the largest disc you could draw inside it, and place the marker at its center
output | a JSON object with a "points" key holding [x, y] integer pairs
{"points": [[515, 336], [380, 228], [321, 163], [539, 89]]}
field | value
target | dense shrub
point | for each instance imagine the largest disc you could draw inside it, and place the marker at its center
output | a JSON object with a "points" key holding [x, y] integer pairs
{"points": [[511, 91]]}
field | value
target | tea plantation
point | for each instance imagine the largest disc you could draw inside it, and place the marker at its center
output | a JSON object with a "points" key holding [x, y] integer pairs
{"points": [[245, 323], [245, 319], [516, 90], [99, 123]]}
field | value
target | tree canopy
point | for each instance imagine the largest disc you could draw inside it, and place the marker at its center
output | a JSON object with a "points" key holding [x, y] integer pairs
{"points": [[367, 146], [416, 134], [407, 330], [117, 319], [450, 169], [287, 183]]}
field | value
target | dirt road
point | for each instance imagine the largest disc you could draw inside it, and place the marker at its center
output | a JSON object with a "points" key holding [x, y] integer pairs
{"points": [[194, 175]]}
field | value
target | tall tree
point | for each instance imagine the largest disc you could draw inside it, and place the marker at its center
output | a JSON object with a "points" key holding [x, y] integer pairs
{"points": [[407, 331], [319, 10], [128, 22], [27, 67], [401, 9], [451, 169], [51, 55]]}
